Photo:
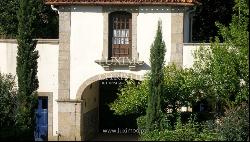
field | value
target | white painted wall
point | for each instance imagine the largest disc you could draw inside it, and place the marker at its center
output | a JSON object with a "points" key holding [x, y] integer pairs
{"points": [[188, 51], [86, 41], [147, 21], [8, 50], [86, 45], [47, 68], [3, 57]]}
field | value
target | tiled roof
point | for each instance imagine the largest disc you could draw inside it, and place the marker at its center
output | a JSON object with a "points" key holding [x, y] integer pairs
{"points": [[122, 2]]}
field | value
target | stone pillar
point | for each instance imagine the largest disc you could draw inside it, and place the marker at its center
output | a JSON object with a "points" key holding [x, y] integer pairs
{"points": [[105, 53], [64, 53], [69, 111], [69, 120], [134, 35], [177, 36]]}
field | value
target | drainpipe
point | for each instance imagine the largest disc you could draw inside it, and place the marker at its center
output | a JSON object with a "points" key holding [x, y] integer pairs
{"points": [[54, 8], [187, 13], [75, 120], [58, 135]]}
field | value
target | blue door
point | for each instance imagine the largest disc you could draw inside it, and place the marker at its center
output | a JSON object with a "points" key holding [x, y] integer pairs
{"points": [[41, 131]]}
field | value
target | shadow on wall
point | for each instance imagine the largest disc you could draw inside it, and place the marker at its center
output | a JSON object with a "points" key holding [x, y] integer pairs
{"points": [[138, 68], [141, 9]]}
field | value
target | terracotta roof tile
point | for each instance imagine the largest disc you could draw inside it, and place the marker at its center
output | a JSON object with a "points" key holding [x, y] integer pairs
{"points": [[122, 2]]}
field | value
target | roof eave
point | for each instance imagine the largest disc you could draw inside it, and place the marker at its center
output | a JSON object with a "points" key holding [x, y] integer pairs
{"points": [[118, 3]]}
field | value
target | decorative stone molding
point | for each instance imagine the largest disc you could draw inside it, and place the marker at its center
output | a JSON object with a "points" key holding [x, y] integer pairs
{"points": [[108, 65], [105, 76], [132, 68], [39, 41], [130, 9], [70, 100]]}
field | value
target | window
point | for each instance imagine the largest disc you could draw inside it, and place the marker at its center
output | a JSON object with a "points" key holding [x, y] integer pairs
{"points": [[120, 25], [44, 102]]}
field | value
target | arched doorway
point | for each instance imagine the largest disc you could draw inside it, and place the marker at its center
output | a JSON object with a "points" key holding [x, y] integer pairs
{"points": [[96, 117]]}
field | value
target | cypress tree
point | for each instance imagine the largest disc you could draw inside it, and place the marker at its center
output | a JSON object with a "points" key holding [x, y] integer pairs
{"points": [[26, 67], [157, 53]]}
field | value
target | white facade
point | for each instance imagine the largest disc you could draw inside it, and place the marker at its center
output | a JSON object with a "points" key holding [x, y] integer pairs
{"points": [[86, 42], [188, 53], [86, 46]]}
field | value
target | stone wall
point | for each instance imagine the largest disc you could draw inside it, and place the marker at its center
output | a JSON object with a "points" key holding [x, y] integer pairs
{"points": [[177, 37]]}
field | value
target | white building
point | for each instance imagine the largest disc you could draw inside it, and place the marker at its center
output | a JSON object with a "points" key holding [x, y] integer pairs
{"points": [[100, 39]]}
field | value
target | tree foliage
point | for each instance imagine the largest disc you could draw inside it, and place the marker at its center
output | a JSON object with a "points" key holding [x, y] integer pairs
{"points": [[190, 131], [8, 18], [8, 99], [205, 16], [132, 98], [235, 125], [156, 76], [46, 25], [180, 87], [26, 65], [224, 66]]}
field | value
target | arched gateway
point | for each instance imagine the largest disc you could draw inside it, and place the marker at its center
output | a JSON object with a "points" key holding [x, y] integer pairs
{"points": [[105, 76], [94, 94], [78, 119]]}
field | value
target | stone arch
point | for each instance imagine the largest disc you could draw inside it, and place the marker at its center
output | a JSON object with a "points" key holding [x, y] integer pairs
{"points": [[105, 76]]}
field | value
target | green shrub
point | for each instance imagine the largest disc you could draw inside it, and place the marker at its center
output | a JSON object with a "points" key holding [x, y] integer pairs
{"points": [[187, 132], [16, 134], [235, 124], [207, 135], [8, 100], [141, 122], [190, 131], [132, 98], [208, 131], [178, 133]]}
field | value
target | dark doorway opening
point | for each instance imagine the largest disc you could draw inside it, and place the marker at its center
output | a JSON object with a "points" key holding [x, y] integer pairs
{"points": [[108, 121]]}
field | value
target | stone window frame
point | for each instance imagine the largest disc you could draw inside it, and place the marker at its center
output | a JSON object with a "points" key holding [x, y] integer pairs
{"points": [[106, 11], [105, 62], [117, 42]]}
